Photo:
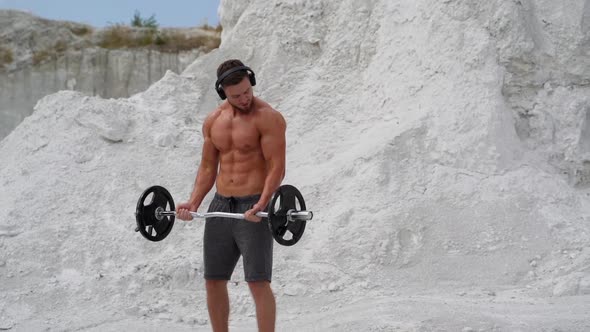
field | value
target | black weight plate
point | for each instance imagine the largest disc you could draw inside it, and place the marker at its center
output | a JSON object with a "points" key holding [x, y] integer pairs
{"points": [[145, 213], [281, 228]]}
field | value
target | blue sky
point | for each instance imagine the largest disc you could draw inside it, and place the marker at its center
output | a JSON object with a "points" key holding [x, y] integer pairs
{"points": [[100, 13]]}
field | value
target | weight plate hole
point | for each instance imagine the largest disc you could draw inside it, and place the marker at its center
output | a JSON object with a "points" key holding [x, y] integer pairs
{"points": [[278, 203], [288, 236], [149, 199]]}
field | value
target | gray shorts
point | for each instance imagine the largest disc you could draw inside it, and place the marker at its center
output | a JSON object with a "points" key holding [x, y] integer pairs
{"points": [[226, 239]]}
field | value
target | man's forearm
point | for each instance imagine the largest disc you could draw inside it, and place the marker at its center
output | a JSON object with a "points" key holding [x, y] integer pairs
{"points": [[272, 182], [203, 184]]}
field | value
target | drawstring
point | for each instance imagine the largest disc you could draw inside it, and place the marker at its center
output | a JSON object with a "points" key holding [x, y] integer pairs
{"points": [[232, 204]]}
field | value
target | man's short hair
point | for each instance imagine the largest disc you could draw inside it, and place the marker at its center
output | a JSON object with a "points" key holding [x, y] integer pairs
{"points": [[233, 78]]}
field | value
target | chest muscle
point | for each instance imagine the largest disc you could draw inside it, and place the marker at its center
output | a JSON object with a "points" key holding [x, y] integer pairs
{"points": [[230, 135]]}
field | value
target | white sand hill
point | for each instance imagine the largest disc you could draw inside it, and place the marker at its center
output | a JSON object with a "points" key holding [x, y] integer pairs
{"points": [[443, 146]]}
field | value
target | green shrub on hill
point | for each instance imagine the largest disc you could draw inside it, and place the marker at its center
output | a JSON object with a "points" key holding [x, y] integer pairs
{"points": [[6, 56]]}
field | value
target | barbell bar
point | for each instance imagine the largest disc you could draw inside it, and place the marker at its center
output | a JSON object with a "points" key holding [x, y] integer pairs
{"points": [[292, 215]]}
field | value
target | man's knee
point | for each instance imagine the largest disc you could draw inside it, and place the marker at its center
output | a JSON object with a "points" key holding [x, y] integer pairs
{"points": [[259, 287], [215, 285]]}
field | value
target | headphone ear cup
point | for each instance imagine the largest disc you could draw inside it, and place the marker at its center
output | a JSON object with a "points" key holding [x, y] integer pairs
{"points": [[220, 92], [252, 78]]}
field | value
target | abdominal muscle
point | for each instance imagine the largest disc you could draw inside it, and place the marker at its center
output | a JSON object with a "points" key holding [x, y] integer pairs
{"points": [[241, 173]]}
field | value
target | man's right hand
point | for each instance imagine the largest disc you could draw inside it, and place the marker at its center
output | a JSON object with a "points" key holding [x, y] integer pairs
{"points": [[183, 211]]}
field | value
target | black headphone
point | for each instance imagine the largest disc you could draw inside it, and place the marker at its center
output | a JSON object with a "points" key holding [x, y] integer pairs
{"points": [[220, 79]]}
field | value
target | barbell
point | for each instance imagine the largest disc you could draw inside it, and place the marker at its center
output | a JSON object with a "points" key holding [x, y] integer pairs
{"points": [[286, 215]]}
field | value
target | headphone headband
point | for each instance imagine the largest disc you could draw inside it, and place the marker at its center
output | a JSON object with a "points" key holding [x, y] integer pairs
{"points": [[228, 72]]}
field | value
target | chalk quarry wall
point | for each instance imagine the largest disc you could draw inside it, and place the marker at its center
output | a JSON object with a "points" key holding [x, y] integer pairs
{"points": [[94, 71]]}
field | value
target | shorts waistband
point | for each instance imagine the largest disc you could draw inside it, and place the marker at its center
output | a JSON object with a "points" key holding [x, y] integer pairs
{"points": [[250, 199]]}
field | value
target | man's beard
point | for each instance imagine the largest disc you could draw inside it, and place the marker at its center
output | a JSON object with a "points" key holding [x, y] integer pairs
{"points": [[243, 110]]}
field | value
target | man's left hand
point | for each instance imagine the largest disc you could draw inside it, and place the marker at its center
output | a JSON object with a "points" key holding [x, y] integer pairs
{"points": [[250, 215]]}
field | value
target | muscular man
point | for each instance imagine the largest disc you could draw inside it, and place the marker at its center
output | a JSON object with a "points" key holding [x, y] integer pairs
{"points": [[244, 156]]}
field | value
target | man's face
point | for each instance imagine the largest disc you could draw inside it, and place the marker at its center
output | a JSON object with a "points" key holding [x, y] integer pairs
{"points": [[240, 95]]}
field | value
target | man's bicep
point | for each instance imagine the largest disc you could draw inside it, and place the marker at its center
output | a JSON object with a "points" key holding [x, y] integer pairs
{"points": [[273, 139], [209, 153]]}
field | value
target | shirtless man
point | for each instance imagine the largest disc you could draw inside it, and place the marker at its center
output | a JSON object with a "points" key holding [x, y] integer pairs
{"points": [[244, 155]]}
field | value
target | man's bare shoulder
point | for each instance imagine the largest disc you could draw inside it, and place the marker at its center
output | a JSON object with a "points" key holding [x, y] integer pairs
{"points": [[212, 116], [266, 111], [269, 118], [216, 113]]}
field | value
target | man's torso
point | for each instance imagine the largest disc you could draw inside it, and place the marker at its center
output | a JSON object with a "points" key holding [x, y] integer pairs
{"points": [[242, 167]]}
